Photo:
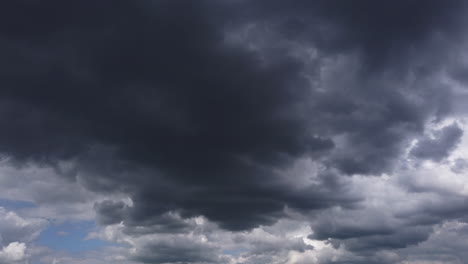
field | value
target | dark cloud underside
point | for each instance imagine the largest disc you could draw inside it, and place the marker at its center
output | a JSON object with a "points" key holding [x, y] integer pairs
{"points": [[199, 107]]}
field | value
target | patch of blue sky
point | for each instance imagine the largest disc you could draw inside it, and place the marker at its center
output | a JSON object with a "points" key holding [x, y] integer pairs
{"points": [[16, 204], [71, 237], [235, 252]]}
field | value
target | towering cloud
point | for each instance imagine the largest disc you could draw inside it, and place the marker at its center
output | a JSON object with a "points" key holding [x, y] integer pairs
{"points": [[242, 115]]}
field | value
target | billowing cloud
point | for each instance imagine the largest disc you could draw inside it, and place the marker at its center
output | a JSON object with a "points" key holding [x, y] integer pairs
{"points": [[15, 233], [14, 228], [13, 252], [198, 132], [440, 146]]}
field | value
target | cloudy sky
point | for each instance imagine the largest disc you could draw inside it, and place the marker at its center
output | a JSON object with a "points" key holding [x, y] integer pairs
{"points": [[233, 132]]}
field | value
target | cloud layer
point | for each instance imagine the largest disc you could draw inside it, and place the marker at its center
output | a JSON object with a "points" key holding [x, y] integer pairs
{"points": [[239, 131]]}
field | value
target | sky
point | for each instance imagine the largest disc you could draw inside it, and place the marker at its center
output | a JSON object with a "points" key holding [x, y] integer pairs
{"points": [[233, 132]]}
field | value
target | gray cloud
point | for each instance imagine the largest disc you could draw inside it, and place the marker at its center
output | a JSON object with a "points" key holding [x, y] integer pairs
{"points": [[16, 234], [204, 110], [205, 119], [439, 147], [14, 228], [176, 251], [460, 165]]}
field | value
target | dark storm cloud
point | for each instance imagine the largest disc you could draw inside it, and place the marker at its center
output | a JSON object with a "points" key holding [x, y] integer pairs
{"points": [[447, 207], [439, 147], [370, 231], [445, 246], [110, 212], [383, 31], [113, 212], [177, 251], [234, 208], [400, 239], [396, 41], [155, 80], [201, 125], [373, 233]]}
